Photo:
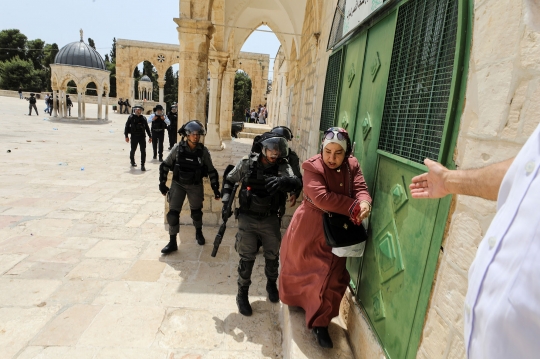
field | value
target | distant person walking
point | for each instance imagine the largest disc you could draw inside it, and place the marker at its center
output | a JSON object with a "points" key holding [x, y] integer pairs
{"points": [[69, 104], [247, 115], [127, 105], [121, 105], [32, 104], [20, 93], [253, 116]]}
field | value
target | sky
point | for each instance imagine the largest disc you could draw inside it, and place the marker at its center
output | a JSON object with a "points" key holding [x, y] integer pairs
{"points": [[60, 21]]}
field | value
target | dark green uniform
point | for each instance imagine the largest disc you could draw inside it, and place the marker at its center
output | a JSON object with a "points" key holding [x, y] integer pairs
{"points": [[189, 167], [258, 214]]}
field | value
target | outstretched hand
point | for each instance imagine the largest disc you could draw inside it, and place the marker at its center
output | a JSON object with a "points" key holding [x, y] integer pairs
{"points": [[431, 184]]}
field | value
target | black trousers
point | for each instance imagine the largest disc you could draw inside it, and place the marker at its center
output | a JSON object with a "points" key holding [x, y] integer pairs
{"points": [[141, 141], [172, 136], [30, 107], [157, 140]]}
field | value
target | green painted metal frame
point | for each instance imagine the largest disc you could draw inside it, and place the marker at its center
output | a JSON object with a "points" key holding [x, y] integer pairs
{"points": [[450, 134]]}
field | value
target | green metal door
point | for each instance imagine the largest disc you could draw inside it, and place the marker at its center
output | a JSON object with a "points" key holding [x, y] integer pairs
{"points": [[370, 107], [411, 124], [350, 84]]}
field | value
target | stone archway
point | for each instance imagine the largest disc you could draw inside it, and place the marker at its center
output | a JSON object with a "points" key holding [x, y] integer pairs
{"points": [[129, 53]]}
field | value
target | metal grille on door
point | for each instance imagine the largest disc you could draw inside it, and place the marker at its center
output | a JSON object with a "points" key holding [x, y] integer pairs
{"points": [[420, 79]]}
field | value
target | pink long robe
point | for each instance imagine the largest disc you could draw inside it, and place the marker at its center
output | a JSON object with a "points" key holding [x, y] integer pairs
{"points": [[312, 277]]}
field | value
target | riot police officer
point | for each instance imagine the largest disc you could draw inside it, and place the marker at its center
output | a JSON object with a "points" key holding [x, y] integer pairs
{"points": [[266, 177], [190, 161], [159, 122], [173, 127], [136, 125]]}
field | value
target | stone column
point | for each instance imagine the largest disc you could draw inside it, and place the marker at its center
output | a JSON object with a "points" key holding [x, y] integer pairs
{"points": [[132, 92], [107, 107], [55, 106], [79, 105], [83, 106], [161, 84], [99, 109], [227, 95], [194, 37], [65, 108], [213, 137]]}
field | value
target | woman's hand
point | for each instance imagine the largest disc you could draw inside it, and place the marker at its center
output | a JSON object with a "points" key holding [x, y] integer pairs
{"points": [[365, 210]]}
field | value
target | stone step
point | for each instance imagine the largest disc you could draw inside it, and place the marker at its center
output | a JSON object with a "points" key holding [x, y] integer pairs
{"points": [[255, 128], [247, 135], [300, 342]]}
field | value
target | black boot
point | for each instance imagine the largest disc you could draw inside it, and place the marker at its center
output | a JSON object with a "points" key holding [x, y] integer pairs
{"points": [[154, 156], [323, 338], [171, 247], [160, 158], [273, 293], [133, 164], [143, 168], [199, 236], [242, 301]]}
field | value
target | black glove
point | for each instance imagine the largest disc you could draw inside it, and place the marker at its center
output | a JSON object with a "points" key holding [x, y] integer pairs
{"points": [[163, 188], [217, 195], [274, 184], [224, 212]]}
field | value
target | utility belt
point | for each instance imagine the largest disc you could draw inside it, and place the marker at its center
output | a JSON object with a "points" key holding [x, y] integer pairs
{"points": [[158, 129], [256, 214]]}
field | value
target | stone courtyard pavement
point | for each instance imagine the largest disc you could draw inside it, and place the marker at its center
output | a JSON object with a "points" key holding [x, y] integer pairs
{"points": [[81, 273]]}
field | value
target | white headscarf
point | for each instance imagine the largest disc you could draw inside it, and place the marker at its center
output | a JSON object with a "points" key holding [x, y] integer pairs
{"points": [[342, 143]]}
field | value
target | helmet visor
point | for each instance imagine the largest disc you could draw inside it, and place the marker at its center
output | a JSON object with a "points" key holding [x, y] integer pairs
{"points": [[275, 147], [194, 128]]}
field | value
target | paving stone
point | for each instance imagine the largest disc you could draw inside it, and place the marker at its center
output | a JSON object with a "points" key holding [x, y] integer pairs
{"points": [[146, 271], [124, 326], [26, 292], [66, 328]]}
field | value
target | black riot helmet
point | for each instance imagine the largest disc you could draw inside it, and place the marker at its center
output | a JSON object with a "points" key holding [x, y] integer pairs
{"points": [[283, 132], [190, 127], [273, 147]]}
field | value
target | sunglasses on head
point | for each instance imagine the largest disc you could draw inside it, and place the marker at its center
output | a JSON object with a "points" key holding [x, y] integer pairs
{"points": [[340, 135]]}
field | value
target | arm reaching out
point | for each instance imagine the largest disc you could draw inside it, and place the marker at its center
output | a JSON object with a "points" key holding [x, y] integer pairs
{"points": [[439, 181]]}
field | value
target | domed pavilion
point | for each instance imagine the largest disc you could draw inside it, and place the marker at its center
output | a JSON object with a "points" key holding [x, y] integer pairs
{"points": [[79, 62], [145, 88]]}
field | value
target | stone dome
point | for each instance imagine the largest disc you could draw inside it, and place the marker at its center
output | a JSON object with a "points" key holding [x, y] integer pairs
{"points": [[145, 78], [79, 54]]}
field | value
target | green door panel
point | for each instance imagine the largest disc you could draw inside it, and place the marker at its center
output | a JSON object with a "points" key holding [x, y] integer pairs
{"points": [[350, 84], [372, 94], [396, 255], [370, 107]]}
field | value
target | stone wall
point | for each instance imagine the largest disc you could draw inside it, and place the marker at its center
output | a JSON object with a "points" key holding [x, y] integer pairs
{"points": [[502, 109]]}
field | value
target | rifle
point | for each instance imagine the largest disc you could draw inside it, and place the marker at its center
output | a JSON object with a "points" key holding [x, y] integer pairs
{"points": [[223, 227]]}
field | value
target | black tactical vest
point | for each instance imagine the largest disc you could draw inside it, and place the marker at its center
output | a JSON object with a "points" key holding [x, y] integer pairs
{"points": [[159, 125], [189, 167], [173, 117], [138, 125], [253, 194]]}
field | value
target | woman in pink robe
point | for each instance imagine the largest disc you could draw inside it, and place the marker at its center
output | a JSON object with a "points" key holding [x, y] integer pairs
{"points": [[312, 277]]}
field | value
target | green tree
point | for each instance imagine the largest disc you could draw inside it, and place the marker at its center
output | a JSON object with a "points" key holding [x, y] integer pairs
{"points": [[36, 52], [12, 44], [112, 80], [91, 43], [242, 95], [17, 72], [50, 51], [171, 87], [150, 71], [113, 51]]}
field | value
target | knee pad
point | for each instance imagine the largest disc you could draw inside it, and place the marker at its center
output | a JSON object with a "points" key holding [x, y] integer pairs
{"points": [[245, 268], [196, 214], [173, 217]]}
